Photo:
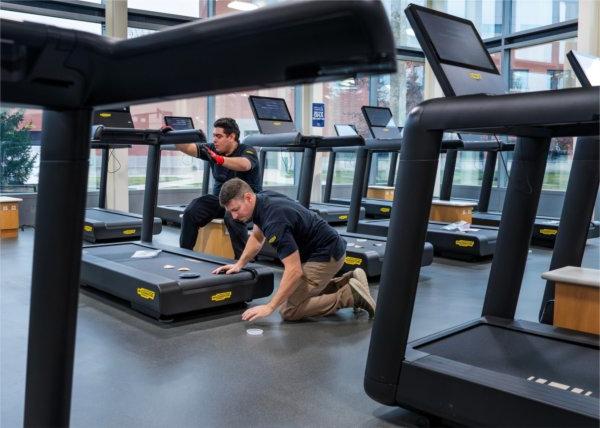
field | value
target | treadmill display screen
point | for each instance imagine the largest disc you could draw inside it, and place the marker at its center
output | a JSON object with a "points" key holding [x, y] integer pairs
{"points": [[179, 123], [456, 41], [380, 117], [113, 118], [345, 130], [270, 109]]}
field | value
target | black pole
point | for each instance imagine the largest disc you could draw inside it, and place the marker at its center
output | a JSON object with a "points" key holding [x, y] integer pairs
{"points": [[392, 171], [356, 195], [103, 178], [516, 226], [448, 176], [262, 162], [415, 182], [329, 178], [487, 181], [367, 174], [205, 178], [306, 176], [60, 210], [576, 215], [150, 191]]}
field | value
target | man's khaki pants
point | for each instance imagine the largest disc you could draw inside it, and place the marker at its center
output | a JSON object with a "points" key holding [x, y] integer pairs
{"points": [[318, 294]]}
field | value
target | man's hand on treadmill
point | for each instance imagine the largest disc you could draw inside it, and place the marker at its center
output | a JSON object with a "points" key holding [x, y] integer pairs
{"points": [[227, 269], [211, 155]]}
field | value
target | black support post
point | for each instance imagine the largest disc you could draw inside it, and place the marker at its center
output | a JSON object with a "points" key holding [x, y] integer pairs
{"points": [[205, 178], [576, 215], [516, 226], [103, 177], [329, 178], [448, 176], [487, 182], [367, 174], [306, 176], [392, 171], [360, 168], [55, 277], [150, 191], [415, 182], [262, 162]]}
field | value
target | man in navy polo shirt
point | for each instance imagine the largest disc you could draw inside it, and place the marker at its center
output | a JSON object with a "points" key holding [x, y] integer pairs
{"points": [[227, 158], [311, 251]]}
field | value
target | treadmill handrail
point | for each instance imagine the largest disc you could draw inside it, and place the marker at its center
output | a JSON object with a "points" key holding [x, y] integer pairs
{"points": [[52, 67], [103, 135], [297, 140]]}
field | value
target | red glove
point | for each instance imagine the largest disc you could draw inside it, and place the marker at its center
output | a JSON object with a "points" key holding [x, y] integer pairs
{"points": [[218, 159]]}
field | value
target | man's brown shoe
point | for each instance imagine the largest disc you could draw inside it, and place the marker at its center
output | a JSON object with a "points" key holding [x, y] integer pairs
{"points": [[362, 297]]}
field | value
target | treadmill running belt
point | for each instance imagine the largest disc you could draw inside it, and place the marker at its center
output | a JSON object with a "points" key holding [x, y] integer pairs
{"points": [[522, 355], [110, 217]]}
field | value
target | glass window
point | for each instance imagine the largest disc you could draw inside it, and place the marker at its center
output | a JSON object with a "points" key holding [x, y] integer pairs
{"points": [[529, 14], [343, 100], [485, 14], [225, 7], [133, 32], [193, 8], [177, 170], [90, 27], [403, 33], [538, 68]]}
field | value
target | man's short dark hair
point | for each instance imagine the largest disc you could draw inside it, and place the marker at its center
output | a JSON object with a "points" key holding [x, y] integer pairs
{"points": [[233, 189], [229, 125]]}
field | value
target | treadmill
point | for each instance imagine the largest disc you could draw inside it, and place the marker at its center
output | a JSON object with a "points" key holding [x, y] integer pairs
{"points": [[102, 224], [545, 228], [472, 245], [172, 213], [69, 72], [494, 370], [382, 127], [175, 280], [273, 117]]}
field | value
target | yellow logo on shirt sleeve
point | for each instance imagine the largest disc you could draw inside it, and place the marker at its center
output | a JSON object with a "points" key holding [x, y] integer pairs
{"points": [[250, 152], [272, 239]]}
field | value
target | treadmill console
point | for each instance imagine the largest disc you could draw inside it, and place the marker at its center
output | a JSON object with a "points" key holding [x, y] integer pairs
{"points": [[179, 123], [345, 130], [271, 115], [113, 118], [586, 68], [381, 123], [456, 53]]}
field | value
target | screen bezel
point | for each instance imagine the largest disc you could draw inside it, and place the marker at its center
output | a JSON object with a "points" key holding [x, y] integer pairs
{"points": [[119, 110], [368, 119], [255, 113], [580, 73], [415, 10], [335, 126], [166, 119]]}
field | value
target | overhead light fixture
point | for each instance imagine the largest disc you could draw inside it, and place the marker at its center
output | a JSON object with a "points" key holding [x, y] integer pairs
{"points": [[242, 5]]}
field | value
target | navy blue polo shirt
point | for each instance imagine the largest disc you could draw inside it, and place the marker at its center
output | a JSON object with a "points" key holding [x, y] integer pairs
{"points": [[288, 227], [222, 174]]}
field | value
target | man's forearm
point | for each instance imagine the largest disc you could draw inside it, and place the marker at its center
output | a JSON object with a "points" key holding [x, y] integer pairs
{"points": [[289, 282], [237, 164], [251, 249]]}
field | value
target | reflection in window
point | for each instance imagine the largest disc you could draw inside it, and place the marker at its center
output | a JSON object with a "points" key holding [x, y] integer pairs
{"points": [[485, 14], [177, 170], [403, 33], [528, 14], [192, 8], [72, 24], [539, 68]]}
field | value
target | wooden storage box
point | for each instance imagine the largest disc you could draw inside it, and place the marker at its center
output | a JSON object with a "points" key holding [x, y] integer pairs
{"points": [[214, 239], [9, 217]]}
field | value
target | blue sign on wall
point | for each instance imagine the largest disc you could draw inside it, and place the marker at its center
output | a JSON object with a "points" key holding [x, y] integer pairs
{"points": [[318, 115]]}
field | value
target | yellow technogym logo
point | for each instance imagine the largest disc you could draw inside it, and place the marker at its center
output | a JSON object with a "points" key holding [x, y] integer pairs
{"points": [[87, 228], [548, 231], [128, 231], [144, 293], [385, 209], [464, 243], [105, 114], [276, 123], [343, 217], [475, 76], [353, 261], [272, 239], [219, 297]]}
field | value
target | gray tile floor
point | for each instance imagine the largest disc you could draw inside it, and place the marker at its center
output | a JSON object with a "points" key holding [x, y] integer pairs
{"points": [[130, 371]]}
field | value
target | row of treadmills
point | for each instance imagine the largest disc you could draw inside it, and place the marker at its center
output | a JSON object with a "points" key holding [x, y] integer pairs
{"points": [[478, 373]]}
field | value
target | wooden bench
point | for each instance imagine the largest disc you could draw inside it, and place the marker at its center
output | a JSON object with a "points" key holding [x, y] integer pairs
{"points": [[9, 217], [381, 192], [451, 211], [214, 239], [576, 298]]}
